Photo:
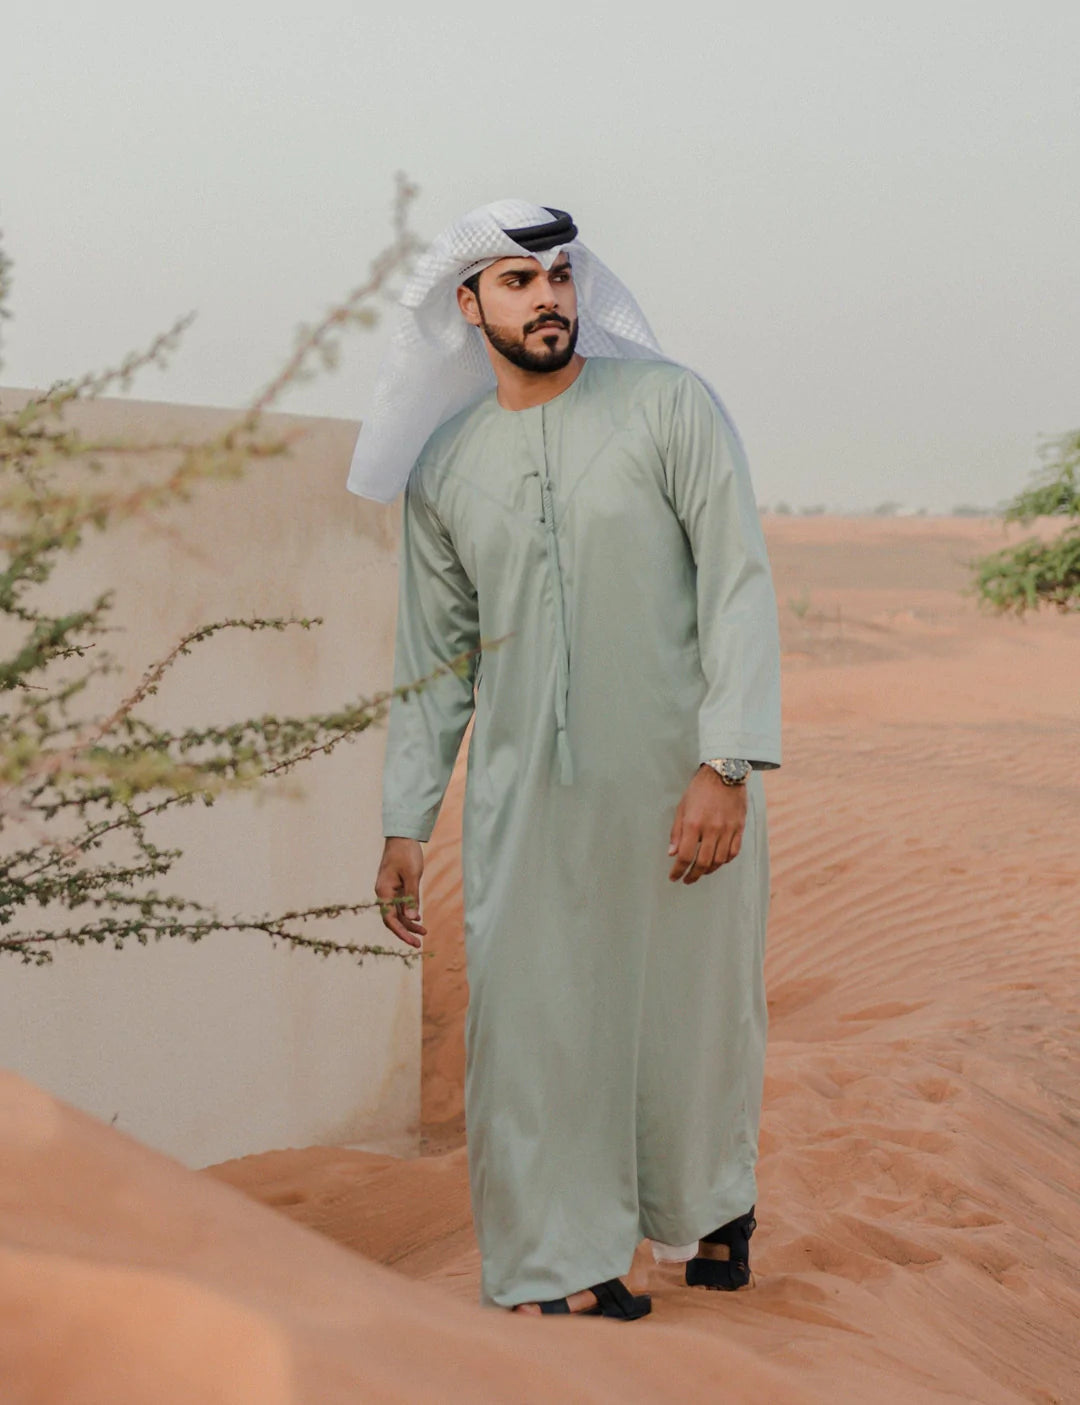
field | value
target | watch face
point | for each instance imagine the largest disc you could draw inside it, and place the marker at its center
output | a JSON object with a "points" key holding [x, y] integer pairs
{"points": [[736, 770]]}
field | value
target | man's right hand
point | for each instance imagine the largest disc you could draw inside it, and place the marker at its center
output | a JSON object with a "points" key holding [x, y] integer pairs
{"points": [[398, 882]]}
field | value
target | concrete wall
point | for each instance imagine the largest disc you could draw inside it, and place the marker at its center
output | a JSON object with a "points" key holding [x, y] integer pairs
{"points": [[214, 1050]]}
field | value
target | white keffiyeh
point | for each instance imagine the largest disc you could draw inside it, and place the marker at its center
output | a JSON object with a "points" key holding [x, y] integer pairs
{"points": [[437, 363]]}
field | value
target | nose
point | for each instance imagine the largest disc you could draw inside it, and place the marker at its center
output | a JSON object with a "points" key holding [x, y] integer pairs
{"points": [[546, 292]]}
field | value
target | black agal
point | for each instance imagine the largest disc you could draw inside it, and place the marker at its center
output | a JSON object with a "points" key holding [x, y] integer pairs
{"points": [[537, 237]]}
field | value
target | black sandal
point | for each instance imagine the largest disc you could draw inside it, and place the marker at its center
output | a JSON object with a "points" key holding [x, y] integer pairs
{"points": [[613, 1299], [726, 1275]]}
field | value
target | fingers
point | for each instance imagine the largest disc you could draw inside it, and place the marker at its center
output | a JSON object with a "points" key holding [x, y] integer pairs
{"points": [[708, 860], [689, 858], [695, 857], [727, 846], [703, 851], [399, 905], [676, 831], [409, 928]]}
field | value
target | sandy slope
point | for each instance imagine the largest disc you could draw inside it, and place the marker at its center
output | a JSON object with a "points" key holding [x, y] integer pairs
{"points": [[127, 1280], [920, 1176]]}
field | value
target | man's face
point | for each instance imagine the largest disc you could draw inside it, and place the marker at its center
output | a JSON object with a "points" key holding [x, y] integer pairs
{"points": [[527, 313]]}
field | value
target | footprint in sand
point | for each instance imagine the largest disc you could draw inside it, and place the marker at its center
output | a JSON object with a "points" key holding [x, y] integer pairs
{"points": [[934, 1089]]}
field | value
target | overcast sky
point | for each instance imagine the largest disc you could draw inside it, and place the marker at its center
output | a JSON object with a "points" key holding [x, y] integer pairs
{"points": [[859, 220]]}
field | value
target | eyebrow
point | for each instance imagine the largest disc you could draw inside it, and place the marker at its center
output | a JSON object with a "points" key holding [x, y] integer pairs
{"points": [[531, 272]]}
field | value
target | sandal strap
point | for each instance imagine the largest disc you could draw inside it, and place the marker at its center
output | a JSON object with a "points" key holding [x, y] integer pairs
{"points": [[717, 1273], [615, 1299], [732, 1272], [555, 1305], [736, 1235]]}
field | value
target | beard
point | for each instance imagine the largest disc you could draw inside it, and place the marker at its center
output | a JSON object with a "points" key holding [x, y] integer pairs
{"points": [[549, 358]]}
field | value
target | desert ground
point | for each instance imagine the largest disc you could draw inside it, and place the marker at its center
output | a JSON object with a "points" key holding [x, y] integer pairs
{"points": [[919, 1205]]}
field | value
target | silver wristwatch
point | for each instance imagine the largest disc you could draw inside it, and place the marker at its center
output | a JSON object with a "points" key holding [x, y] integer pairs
{"points": [[731, 772]]}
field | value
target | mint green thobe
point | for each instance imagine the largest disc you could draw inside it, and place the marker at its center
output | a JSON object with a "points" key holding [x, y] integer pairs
{"points": [[616, 1024]]}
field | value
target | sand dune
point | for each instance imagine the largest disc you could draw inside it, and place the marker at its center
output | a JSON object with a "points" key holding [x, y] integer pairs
{"points": [[920, 1183], [919, 1179], [126, 1279]]}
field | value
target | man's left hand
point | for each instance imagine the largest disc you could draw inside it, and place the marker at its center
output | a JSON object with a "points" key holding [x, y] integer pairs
{"points": [[708, 827]]}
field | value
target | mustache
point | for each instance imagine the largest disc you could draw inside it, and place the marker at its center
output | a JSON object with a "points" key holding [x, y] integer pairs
{"points": [[550, 319]]}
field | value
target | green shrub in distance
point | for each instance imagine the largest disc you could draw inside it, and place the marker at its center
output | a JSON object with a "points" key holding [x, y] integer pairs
{"points": [[1034, 573]]}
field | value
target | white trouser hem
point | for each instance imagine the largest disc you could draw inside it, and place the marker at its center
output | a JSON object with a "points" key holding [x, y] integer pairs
{"points": [[673, 1253]]}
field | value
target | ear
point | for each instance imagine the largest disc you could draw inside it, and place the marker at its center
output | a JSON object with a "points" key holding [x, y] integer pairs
{"points": [[470, 308]]}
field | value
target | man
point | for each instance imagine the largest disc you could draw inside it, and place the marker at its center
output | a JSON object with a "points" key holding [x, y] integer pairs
{"points": [[582, 500]]}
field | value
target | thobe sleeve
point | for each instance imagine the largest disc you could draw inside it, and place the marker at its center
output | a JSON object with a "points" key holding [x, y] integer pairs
{"points": [[437, 620], [738, 629]]}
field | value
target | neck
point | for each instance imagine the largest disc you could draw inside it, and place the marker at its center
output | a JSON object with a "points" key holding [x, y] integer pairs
{"points": [[518, 389]]}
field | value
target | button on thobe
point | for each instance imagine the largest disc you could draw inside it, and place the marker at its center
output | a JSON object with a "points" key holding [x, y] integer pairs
{"points": [[533, 421]]}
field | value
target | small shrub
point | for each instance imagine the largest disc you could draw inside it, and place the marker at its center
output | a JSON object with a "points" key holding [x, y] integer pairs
{"points": [[68, 783], [1034, 572]]}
